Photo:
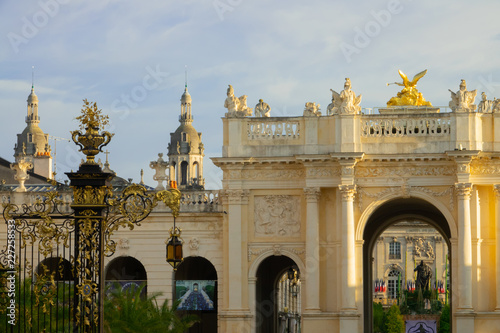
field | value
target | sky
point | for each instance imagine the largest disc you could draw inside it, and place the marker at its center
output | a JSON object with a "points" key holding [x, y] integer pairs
{"points": [[131, 56]]}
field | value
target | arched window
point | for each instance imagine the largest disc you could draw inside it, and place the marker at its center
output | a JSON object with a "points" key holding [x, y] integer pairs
{"points": [[393, 284], [196, 170], [184, 169]]}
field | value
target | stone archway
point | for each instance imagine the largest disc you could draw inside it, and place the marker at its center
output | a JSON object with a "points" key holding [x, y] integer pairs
{"points": [[196, 278], [268, 274], [128, 272], [381, 218]]}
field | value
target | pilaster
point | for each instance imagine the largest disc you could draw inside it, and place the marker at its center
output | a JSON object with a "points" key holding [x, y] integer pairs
{"points": [[464, 247], [348, 286], [312, 195], [497, 249]]}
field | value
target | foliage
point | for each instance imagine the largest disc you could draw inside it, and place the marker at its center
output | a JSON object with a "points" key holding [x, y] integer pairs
{"points": [[128, 312], [44, 305], [394, 322], [444, 320], [91, 116], [378, 318]]}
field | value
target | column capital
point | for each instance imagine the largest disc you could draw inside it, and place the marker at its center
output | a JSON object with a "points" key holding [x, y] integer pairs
{"points": [[235, 197], [496, 189], [348, 191], [312, 194], [463, 190]]}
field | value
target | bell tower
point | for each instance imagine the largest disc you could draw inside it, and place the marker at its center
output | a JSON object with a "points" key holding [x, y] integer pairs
{"points": [[185, 150]]}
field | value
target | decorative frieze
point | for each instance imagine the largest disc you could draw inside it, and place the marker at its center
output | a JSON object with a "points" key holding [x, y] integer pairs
{"points": [[370, 172], [323, 172], [405, 191], [484, 167], [277, 216], [285, 174], [404, 127]]}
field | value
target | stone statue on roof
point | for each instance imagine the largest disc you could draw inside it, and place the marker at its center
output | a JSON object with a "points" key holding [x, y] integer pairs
{"points": [[346, 102], [463, 100], [262, 109]]}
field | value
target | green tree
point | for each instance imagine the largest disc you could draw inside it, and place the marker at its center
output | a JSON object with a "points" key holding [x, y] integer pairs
{"points": [[129, 312], [378, 318], [444, 320], [394, 322]]}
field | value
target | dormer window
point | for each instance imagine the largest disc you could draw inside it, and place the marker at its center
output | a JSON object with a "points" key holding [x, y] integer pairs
{"points": [[184, 137], [30, 137]]}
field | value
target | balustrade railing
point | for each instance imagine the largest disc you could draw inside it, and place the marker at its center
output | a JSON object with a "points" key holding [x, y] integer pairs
{"points": [[268, 130], [387, 126]]}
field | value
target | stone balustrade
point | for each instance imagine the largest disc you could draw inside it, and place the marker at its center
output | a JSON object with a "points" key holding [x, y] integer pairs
{"points": [[269, 129], [390, 126]]}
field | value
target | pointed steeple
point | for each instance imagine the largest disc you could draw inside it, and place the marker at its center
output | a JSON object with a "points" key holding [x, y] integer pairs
{"points": [[186, 116]]}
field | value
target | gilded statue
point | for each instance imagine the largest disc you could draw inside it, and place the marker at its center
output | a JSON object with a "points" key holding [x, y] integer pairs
{"points": [[409, 95]]}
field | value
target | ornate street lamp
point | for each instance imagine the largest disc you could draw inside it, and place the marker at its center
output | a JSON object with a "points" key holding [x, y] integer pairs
{"points": [[174, 243], [174, 247]]}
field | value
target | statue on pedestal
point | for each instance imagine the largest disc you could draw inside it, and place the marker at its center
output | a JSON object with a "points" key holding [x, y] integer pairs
{"points": [[236, 107], [311, 109], [409, 95], [345, 102], [485, 106], [463, 100], [262, 109], [424, 276]]}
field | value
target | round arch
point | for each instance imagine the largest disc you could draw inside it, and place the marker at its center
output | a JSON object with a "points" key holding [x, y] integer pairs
{"points": [[196, 282], [438, 206], [60, 267], [378, 217], [252, 271], [126, 271]]}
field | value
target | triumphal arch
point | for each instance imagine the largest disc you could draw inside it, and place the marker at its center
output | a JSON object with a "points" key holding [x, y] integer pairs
{"points": [[316, 191]]}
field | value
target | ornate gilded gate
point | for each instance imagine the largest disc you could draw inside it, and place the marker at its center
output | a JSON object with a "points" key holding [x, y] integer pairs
{"points": [[53, 275]]}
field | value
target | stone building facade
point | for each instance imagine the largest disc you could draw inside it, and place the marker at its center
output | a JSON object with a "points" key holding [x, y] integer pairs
{"points": [[314, 194]]}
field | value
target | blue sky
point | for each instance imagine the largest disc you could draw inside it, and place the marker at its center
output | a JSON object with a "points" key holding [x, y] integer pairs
{"points": [[130, 56]]}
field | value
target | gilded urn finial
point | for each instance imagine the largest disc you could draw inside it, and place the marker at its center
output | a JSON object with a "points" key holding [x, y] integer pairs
{"points": [[409, 95], [91, 120]]}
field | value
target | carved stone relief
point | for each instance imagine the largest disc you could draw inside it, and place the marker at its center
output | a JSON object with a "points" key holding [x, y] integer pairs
{"points": [[277, 215], [423, 248]]}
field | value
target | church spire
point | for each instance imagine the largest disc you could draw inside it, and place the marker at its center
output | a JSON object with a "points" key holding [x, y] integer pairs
{"points": [[186, 116]]}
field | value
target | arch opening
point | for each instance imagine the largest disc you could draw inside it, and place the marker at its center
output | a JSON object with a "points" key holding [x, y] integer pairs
{"points": [[196, 288], [278, 295], [127, 272], [397, 237]]}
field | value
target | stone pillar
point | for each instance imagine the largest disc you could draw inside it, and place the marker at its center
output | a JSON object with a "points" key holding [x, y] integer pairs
{"points": [[464, 248], [497, 242], [235, 257], [312, 249], [348, 255]]}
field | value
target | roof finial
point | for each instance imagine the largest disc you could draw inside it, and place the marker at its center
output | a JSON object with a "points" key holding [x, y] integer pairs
{"points": [[186, 74], [32, 77]]}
